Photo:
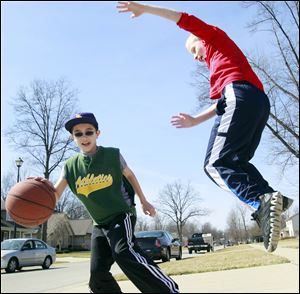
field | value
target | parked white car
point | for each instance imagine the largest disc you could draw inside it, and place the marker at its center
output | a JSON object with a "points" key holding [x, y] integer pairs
{"points": [[18, 253]]}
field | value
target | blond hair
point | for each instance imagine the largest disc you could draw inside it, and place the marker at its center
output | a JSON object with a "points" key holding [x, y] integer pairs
{"points": [[190, 40]]}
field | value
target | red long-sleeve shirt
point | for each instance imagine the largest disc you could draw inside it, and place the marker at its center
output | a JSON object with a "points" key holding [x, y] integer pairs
{"points": [[224, 59]]}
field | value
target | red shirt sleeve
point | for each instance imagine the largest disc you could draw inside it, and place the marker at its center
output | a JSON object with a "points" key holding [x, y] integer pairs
{"points": [[197, 27]]}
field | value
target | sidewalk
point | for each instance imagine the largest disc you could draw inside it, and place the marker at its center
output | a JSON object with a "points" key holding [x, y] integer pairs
{"points": [[281, 278]]}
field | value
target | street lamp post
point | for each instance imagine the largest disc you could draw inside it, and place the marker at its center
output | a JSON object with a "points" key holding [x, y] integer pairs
{"points": [[19, 163]]}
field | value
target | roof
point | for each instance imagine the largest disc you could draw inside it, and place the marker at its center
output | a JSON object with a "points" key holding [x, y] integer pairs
{"points": [[81, 227], [58, 221]]}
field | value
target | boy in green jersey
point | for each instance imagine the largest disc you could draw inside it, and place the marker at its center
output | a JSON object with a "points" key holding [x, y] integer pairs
{"points": [[101, 179]]}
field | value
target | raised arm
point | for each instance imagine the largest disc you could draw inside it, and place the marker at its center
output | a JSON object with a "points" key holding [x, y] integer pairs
{"points": [[138, 9]]}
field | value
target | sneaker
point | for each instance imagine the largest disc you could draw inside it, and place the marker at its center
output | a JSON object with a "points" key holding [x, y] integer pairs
{"points": [[286, 203], [268, 218]]}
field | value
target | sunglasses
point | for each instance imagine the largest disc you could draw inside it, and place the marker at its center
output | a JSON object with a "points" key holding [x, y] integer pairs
{"points": [[80, 134]]}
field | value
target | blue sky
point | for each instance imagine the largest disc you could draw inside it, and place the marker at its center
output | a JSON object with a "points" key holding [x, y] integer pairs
{"points": [[134, 74]]}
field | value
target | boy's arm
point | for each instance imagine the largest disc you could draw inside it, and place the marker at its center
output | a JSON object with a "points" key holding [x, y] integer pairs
{"points": [[185, 21], [146, 206], [60, 186], [138, 9]]}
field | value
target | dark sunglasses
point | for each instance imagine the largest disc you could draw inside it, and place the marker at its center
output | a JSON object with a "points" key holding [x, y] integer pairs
{"points": [[80, 134]]}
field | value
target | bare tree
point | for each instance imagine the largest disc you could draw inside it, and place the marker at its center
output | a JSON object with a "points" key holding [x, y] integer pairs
{"points": [[7, 181], [158, 222], [180, 203], [64, 201], [190, 228], [75, 209], [208, 228], [238, 228], [202, 84], [242, 210], [255, 232], [279, 73], [142, 224], [40, 113], [234, 227], [71, 206], [59, 231]]}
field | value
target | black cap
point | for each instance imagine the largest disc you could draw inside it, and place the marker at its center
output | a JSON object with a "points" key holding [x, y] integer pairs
{"points": [[81, 118]]}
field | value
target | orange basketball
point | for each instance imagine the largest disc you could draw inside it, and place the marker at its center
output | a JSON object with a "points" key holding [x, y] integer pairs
{"points": [[30, 202]]}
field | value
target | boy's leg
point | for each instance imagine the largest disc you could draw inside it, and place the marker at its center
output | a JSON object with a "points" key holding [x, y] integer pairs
{"points": [[135, 264], [243, 113], [101, 280]]}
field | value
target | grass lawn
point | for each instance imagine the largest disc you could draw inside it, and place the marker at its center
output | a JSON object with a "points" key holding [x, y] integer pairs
{"points": [[80, 254], [234, 257], [289, 243]]}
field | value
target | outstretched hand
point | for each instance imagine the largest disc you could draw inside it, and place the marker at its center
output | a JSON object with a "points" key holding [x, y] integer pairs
{"points": [[183, 121], [129, 6]]}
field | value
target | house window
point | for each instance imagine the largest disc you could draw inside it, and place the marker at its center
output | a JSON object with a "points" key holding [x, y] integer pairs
{"points": [[4, 235]]}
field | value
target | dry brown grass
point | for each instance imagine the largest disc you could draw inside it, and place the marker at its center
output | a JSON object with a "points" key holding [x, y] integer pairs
{"points": [[289, 243], [241, 256]]}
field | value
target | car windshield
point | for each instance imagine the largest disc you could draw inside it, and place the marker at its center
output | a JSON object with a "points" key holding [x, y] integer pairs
{"points": [[12, 244], [148, 234]]}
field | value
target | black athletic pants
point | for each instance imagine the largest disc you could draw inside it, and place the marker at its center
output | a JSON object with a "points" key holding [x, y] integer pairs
{"points": [[243, 111], [116, 242]]}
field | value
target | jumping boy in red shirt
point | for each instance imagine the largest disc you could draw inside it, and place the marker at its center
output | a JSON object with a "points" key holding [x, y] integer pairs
{"points": [[242, 110]]}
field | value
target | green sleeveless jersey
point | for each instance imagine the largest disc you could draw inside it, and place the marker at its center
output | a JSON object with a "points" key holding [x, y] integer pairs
{"points": [[97, 184]]}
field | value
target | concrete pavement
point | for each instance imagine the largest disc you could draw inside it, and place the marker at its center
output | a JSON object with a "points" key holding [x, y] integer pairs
{"points": [[281, 278]]}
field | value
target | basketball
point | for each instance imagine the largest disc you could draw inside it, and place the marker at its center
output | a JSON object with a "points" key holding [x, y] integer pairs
{"points": [[30, 202]]}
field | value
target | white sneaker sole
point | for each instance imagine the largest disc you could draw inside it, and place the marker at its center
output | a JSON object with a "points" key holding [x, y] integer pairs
{"points": [[275, 221]]}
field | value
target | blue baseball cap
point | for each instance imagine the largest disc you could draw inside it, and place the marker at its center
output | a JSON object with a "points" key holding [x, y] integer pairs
{"points": [[81, 118]]}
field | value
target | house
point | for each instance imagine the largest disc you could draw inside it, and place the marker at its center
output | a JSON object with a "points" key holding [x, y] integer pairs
{"points": [[292, 227], [59, 231], [8, 226], [64, 233], [82, 232]]}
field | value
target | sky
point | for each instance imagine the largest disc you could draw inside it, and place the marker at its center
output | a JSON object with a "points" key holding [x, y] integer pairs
{"points": [[133, 74]]}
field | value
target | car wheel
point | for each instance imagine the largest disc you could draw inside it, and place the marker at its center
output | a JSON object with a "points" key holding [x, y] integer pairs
{"points": [[190, 251], [167, 257], [47, 262], [12, 265], [179, 257]]}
